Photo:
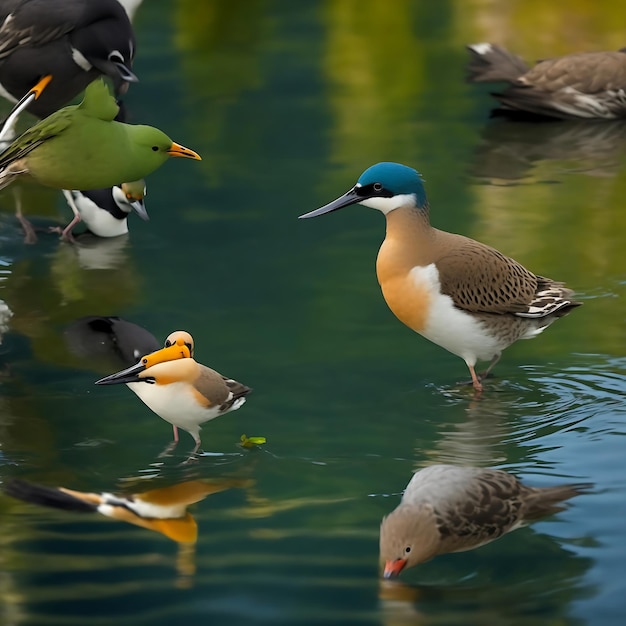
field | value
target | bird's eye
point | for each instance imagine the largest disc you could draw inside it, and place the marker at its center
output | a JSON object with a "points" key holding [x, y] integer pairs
{"points": [[189, 346], [155, 148], [407, 549], [377, 187], [168, 343]]}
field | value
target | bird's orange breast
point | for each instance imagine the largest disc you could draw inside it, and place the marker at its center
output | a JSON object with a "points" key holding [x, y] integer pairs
{"points": [[406, 293], [408, 299]]}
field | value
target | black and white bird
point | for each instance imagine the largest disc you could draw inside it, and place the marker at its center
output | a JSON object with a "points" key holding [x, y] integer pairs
{"points": [[50, 50], [105, 211]]}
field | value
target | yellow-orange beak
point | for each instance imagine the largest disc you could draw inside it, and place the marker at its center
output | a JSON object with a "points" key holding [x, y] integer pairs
{"points": [[41, 85], [393, 568], [176, 351], [176, 150]]}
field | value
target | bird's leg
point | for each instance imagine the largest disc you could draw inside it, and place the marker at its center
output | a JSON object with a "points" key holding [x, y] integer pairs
{"points": [[168, 449], [66, 233], [29, 231], [30, 96], [491, 366], [194, 452], [475, 380]]}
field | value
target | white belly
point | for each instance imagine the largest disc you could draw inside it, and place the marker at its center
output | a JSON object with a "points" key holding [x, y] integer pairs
{"points": [[175, 404], [451, 328]]}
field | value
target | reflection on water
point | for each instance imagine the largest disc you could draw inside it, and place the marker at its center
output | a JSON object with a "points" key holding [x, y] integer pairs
{"points": [[286, 103], [527, 413], [542, 152]]}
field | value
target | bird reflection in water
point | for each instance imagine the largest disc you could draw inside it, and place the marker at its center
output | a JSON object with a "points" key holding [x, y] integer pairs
{"points": [[511, 150], [162, 510]]}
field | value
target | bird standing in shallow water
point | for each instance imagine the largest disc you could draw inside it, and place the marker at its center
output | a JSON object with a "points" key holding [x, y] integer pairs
{"points": [[584, 84], [180, 390], [459, 293], [105, 211], [68, 43], [448, 508], [81, 147]]}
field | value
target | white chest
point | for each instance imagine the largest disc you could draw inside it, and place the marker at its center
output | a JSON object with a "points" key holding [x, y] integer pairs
{"points": [[437, 319], [175, 403]]}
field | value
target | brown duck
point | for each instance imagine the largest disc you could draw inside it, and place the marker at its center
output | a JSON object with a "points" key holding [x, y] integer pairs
{"points": [[583, 84]]}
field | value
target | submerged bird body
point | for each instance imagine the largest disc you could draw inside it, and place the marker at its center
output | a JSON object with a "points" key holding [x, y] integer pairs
{"points": [[81, 147], [74, 41], [179, 389], [447, 508], [582, 85], [459, 293]]}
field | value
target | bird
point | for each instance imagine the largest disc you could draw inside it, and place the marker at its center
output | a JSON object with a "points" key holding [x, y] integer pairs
{"points": [[450, 508], [580, 85], [163, 510], [108, 340], [81, 147], [65, 44], [105, 211], [457, 292], [179, 389]]}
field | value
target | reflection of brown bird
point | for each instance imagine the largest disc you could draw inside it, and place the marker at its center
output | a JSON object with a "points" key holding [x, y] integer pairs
{"points": [[583, 84], [509, 150], [448, 508], [163, 510]]}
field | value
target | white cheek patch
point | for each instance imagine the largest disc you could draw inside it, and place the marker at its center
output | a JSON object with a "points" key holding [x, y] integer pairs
{"points": [[386, 205]]}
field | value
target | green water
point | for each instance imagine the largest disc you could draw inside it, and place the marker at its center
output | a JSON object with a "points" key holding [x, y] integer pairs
{"points": [[287, 103]]}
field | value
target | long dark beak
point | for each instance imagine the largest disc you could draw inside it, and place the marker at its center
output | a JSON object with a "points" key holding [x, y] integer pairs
{"points": [[140, 209], [125, 72], [129, 375], [351, 197]]}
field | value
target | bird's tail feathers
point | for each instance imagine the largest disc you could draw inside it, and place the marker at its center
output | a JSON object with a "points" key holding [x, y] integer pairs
{"points": [[549, 500], [46, 496], [490, 63]]}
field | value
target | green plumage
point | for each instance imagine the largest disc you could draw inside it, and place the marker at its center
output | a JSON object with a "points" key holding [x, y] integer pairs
{"points": [[81, 147]]}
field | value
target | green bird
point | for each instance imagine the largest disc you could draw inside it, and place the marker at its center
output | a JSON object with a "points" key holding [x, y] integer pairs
{"points": [[81, 147]]}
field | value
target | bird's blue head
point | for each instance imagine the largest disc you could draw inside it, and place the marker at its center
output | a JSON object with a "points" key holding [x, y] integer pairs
{"points": [[385, 186]]}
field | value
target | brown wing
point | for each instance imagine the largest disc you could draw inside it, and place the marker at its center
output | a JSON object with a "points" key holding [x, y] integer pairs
{"points": [[480, 279], [490, 506], [219, 389], [589, 73]]}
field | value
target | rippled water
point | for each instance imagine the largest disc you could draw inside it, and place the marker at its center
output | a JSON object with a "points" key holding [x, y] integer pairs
{"points": [[287, 105]]}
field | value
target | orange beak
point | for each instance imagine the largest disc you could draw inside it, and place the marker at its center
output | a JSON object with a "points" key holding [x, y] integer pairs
{"points": [[393, 568], [41, 85], [176, 150], [177, 351]]}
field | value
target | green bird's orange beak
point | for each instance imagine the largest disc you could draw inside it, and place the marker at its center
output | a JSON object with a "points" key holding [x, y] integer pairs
{"points": [[176, 150]]}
